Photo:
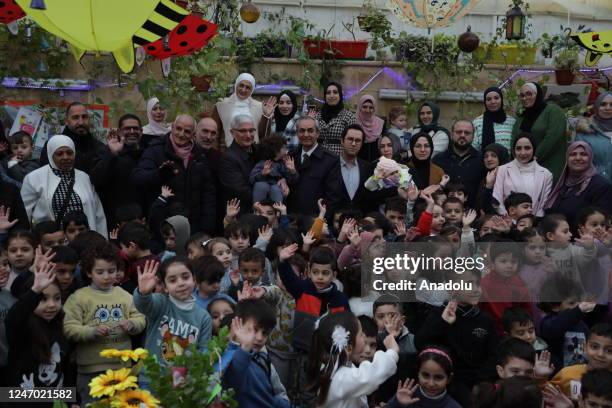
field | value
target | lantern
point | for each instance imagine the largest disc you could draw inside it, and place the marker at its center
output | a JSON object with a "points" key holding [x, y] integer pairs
{"points": [[468, 41], [515, 24], [249, 12]]}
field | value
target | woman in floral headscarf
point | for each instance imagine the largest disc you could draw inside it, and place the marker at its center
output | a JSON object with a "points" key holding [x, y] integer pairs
{"points": [[597, 131], [372, 125]]}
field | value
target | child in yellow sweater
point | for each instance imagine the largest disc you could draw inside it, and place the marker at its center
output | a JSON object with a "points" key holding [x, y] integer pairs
{"points": [[99, 316]]}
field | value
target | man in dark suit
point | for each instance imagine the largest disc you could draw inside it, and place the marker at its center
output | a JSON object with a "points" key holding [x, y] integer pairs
{"points": [[238, 160], [354, 171], [318, 169]]}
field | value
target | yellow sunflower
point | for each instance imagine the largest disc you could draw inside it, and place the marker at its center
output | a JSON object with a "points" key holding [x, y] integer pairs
{"points": [[134, 399], [125, 355], [111, 382]]}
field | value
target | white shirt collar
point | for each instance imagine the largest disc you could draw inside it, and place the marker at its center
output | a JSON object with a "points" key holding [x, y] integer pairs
{"points": [[309, 152]]}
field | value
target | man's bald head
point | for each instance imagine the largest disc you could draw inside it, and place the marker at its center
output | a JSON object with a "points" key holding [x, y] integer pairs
{"points": [[183, 129], [206, 133]]}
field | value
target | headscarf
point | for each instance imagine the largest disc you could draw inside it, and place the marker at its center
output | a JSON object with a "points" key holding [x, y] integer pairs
{"points": [[241, 106], [530, 115], [329, 112], [395, 147], [499, 116], [435, 110], [153, 127], [570, 180], [531, 139], [280, 120], [603, 124], [372, 127], [500, 151], [67, 179], [421, 167]]}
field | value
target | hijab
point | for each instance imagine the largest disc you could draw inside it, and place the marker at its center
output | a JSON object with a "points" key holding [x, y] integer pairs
{"points": [[372, 127], [499, 116], [280, 120], [435, 110], [329, 112], [421, 167], [242, 106], [67, 180], [570, 179], [603, 124], [395, 146], [500, 151], [153, 127], [531, 114]]}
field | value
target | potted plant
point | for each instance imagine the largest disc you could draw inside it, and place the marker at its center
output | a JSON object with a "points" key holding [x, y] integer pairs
{"points": [[321, 46], [374, 21], [566, 61]]}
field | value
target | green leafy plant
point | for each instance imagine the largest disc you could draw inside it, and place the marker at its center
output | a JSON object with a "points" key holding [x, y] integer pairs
{"points": [[374, 21], [567, 59]]}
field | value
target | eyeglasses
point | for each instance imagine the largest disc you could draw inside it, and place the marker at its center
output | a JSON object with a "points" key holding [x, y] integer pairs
{"points": [[353, 140], [245, 131], [525, 95]]}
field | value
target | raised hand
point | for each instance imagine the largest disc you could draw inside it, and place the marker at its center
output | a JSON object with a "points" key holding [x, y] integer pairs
{"points": [[586, 240], [166, 192], [406, 391], [287, 252], [41, 259], [312, 113], [543, 368], [468, 218], [412, 192], [449, 315], [246, 292], [394, 325], [242, 334], [289, 163], [347, 226], [5, 215], [114, 141], [430, 189], [322, 208], [411, 234], [554, 398], [400, 229], [445, 180], [232, 208], [43, 277], [269, 106], [113, 234], [490, 178], [308, 239], [354, 238], [265, 233], [500, 224], [235, 277], [282, 183], [280, 207], [147, 277], [257, 292], [267, 168], [390, 343]]}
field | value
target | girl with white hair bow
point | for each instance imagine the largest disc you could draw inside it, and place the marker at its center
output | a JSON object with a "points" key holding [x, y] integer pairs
{"points": [[56, 189]]}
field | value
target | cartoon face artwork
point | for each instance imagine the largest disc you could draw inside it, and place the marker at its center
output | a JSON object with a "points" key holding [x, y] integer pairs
{"points": [[175, 340], [49, 374], [108, 313]]}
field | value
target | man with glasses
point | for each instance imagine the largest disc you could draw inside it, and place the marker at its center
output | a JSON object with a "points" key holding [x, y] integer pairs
{"points": [[238, 160], [354, 171], [78, 129], [461, 161], [112, 166], [319, 172]]}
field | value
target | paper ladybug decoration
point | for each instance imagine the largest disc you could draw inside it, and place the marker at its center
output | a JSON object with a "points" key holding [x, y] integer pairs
{"points": [[189, 36], [10, 11]]}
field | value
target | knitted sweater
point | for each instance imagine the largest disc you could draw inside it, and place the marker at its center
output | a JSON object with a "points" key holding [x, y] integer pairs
{"points": [[503, 132], [88, 308]]}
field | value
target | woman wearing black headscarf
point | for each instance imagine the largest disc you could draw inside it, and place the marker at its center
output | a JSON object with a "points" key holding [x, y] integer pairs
{"points": [[494, 125], [424, 172], [428, 116], [494, 155], [333, 118], [283, 121], [547, 123]]}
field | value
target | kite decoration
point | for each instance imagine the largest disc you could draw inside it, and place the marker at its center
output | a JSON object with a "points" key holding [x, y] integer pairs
{"points": [[189, 36], [596, 43], [431, 13], [10, 11], [116, 26]]}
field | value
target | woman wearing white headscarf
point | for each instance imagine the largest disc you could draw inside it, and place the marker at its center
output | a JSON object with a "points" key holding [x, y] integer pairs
{"points": [[240, 102], [56, 189], [157, 125]]}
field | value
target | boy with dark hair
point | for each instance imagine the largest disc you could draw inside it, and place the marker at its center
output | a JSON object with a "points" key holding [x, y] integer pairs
{"points": [[49, 234], [598, 356], [129, 212], [134, 239], [75, 223], [370, 343], [316, 294], [596, 389], [395, 211], [563, 327], [518, 205], [457, 190], [20, 162], [251, 265], [208, 272], [65, 260], [453, 211], [515, 357], [518, 324], [250, 372]]}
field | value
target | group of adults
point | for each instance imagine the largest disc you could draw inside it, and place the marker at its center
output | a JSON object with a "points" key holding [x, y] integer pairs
{"points": [[208, 162]]}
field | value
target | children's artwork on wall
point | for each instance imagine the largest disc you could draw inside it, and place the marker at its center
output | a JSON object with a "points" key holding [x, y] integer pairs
{"points": [[43, 120], [596, 43]]}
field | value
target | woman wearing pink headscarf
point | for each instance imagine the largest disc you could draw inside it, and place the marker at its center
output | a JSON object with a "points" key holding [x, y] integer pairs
{"points": [[580, 185], [372, 125]]}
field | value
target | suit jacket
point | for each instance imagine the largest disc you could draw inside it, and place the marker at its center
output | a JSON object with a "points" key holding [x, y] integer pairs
{"points": [[509, 179], [363, 197], [234, 170], [319, 177]]}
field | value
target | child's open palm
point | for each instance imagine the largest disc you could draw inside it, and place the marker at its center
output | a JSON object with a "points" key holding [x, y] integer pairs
{"points": [[543, 368], [41, 259], [287, 252], [232, 208], [405, 392], [308, 239], [147, 277], [5, 215], [586, 240], [265, 233], [242, 334], [43, 277]]}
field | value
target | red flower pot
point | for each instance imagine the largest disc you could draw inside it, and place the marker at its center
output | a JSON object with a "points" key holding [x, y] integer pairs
{"points": [[339, 49], [564, 76]]}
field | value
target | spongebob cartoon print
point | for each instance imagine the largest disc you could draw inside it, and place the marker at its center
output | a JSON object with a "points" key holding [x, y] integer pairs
{"points": [[109, 315], [176, 336]]}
